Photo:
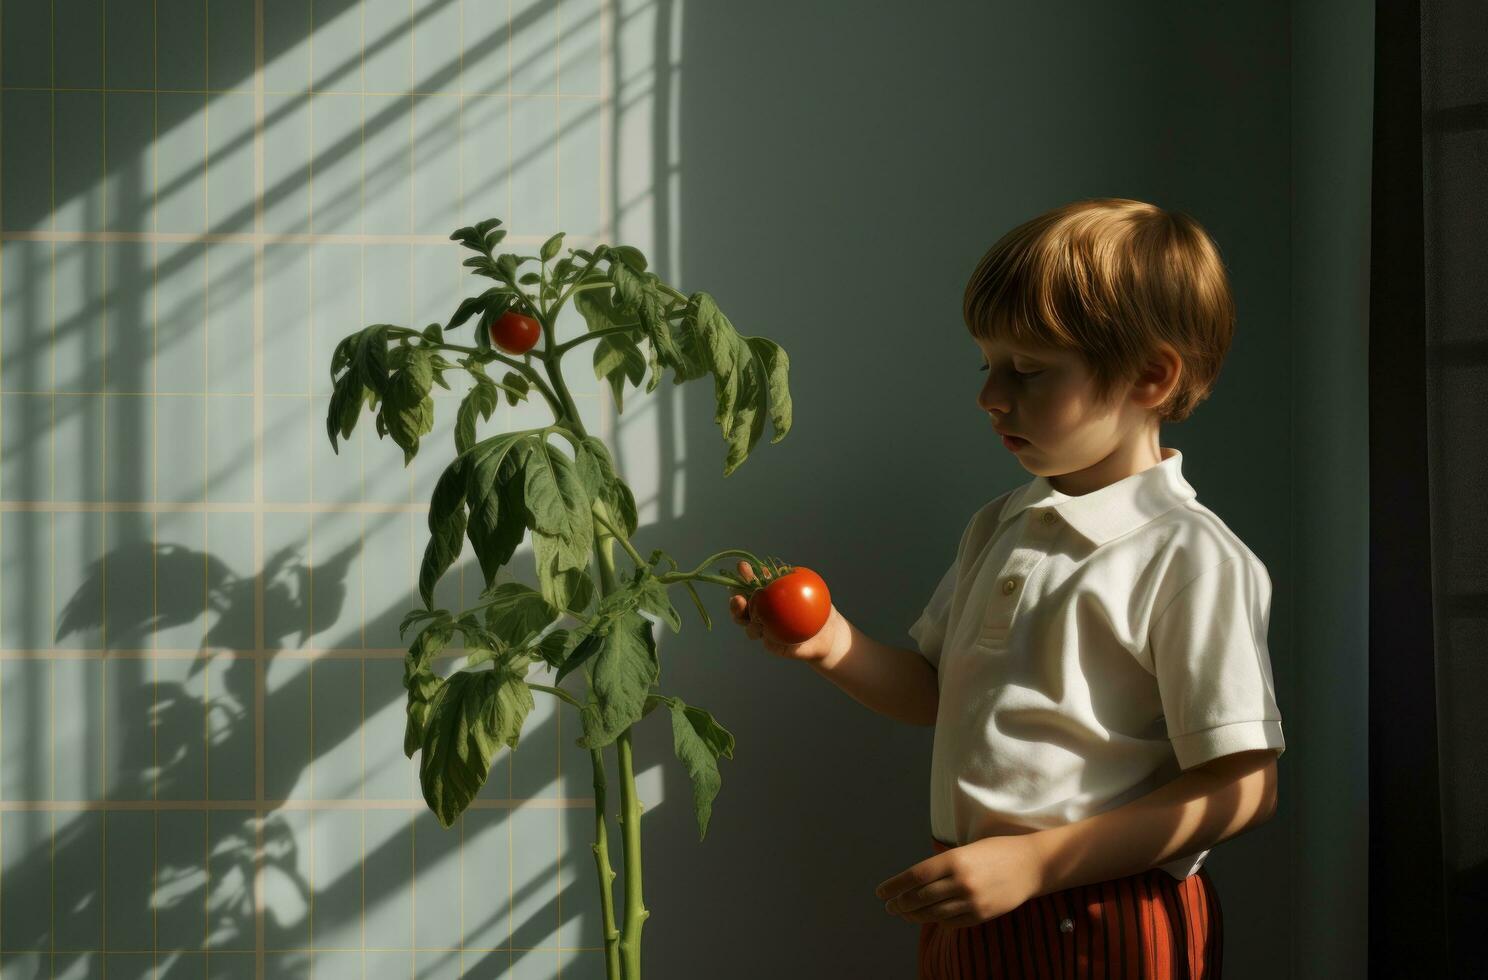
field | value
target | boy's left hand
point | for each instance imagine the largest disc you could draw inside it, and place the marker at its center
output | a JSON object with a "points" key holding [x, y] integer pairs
{"points": [[967, 885]]}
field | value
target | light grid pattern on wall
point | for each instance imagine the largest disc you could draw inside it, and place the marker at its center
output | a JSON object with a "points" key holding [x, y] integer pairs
{"points": [[201, 764]]}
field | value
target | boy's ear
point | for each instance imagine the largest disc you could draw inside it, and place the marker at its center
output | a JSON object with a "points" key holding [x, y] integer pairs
{"points": [[1160, 375]]}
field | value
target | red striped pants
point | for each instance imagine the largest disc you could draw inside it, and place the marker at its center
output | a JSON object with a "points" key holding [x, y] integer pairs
{"points": [[1147, 926]]}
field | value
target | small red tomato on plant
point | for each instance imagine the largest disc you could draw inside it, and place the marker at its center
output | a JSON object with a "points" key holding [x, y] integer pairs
{"points": [[515, 333], [795, 605]]}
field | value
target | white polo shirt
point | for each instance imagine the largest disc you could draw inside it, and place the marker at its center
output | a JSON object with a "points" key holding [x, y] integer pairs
{"points": [[1089, 649]]}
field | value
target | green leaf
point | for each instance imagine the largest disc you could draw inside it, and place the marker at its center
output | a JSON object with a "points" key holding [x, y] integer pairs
{"points": [[530, 278], [369, 357], [698, 741], [556, 499], [417, 615], [641, 294], [551, 246], [476, 304], [517, 612], [776, 366], [445, 541], [514, 380], [559, 512], [434, 334], [750, 378], [590, 645], [630, 255], [480, 401], [597, 471], [423, 686], [562, 575], [477, 712], [407, 409], [551, 648], [497, 520], [345, 408], [654, 599], [625, 668]]}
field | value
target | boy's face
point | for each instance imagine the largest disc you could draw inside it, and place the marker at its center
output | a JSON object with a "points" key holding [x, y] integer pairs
{"points": [[1047, 396]]}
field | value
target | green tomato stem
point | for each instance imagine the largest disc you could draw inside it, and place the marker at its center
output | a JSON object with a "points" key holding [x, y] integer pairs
{"points": [[557, 692]]}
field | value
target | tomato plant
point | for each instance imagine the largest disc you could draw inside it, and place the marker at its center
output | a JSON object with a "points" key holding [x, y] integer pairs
{"points": [[794, 605], [515, 333], [578, 509]]}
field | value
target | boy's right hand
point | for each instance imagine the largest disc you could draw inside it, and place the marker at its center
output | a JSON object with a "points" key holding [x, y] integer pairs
{"points": [[829, 642]]}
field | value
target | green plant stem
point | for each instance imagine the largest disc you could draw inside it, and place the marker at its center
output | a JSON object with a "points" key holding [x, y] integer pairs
{"points": [[624, 961], [601, 849], [557, 692], [630, 817], [615, 961], [636, 912]]}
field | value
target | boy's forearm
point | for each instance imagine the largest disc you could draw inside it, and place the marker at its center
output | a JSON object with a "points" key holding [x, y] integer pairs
{"points": [[1192, 813], [893, 681]]}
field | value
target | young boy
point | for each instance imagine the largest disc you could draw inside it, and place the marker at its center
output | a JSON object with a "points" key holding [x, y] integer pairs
{"points": [[1094, 660]]}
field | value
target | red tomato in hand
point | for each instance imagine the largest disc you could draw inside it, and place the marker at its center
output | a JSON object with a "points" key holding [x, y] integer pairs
{"points": [[515, 333], [795, 606]]}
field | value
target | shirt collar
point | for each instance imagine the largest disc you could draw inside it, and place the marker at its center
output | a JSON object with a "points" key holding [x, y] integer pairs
{"points": [[1113, 510]]}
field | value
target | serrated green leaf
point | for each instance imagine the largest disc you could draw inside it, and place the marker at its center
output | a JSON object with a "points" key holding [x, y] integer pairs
{"points": [[407, 410], [582, 654], [698, 740], [345, 408], [424, 688], [630, 255], [514, 380], [477, 712], [417, 615], [480, 401], [750, 378], [497, 521], [517, 612], [625, 667], [653, 598], [440, 553], [555, 497], [370, 357]]}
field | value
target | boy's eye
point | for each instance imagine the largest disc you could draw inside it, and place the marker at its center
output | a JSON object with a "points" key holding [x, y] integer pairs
{"points": [[1021, 374]]}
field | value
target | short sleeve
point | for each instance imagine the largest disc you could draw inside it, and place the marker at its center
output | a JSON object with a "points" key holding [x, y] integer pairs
{"points": [[1213, 668], [929, 631]]}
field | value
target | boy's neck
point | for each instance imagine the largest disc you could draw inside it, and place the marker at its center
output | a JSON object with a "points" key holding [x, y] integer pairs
{"points": [[1137, 451]]}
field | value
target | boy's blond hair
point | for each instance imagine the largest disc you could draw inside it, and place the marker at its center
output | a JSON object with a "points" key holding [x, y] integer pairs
{"points": [[1109, 278]]}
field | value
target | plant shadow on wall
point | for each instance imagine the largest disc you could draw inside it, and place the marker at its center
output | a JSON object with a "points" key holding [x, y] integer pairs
{"points": [[155, 878], [160, 732]]}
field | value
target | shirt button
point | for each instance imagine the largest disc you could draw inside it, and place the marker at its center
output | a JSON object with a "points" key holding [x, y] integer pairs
{"points": [[1050, 517], [1066, 925], [1009, 585]]}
